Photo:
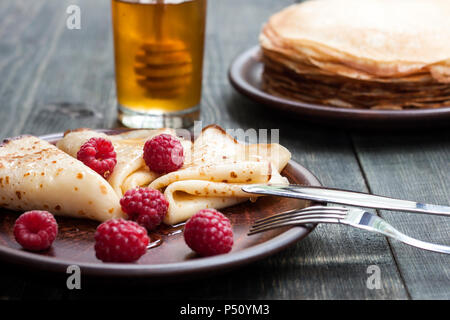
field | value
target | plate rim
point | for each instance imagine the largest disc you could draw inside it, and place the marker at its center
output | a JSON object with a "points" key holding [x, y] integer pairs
{"points": [[248, 56], [191, 267]]}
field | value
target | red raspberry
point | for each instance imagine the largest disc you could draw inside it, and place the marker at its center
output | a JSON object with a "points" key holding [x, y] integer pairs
{"points": [[209, 232], [99, 155], [146, 206], [119, 240], [163, 153], [36, 230]]}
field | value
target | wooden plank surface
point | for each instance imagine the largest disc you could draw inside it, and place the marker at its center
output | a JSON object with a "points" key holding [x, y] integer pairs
{"points": [[56, 79], [413, 166]]}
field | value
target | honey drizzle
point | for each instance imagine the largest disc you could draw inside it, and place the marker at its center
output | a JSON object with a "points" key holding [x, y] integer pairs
{"points": [[158, 236]]}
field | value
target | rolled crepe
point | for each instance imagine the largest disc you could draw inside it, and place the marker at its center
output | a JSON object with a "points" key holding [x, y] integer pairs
{"points": [[216, 167], [36, 175], [219, 167], [138, 178], [130, 170], [189, 196]]}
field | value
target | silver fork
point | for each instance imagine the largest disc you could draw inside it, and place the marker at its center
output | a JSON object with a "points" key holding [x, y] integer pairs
{"points": [[340, 215]]}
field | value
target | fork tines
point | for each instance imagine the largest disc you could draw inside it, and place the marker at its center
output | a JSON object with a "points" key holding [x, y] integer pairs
{"points": [[307, 215]]}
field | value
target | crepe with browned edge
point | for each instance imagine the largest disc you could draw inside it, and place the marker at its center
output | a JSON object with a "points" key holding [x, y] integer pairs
{"points": [[130, 170], [36, 175], [218, 168]]}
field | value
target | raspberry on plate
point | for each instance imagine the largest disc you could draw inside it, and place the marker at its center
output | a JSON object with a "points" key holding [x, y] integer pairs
{"points": [[163, 153], [146, 206], [36, 230], [119, 240], [209, 233], [99, 155]]}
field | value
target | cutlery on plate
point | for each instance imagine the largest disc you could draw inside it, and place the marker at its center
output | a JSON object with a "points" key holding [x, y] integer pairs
{"points": [[354, 217], [351, 198], [340, 215]]}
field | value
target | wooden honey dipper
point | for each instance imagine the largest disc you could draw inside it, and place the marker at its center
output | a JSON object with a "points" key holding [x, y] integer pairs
{"points": [[164, 66]]}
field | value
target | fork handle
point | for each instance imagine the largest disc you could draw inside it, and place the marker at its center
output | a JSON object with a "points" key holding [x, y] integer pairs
{"points": [[368, 221], [351, 198]]}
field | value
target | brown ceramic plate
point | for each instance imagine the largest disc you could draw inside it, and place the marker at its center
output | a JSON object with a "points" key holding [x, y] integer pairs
{"points": [[245, 76], [171, 259]]}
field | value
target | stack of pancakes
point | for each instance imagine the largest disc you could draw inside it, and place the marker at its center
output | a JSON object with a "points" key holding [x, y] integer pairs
{"points": [[373, 54]]}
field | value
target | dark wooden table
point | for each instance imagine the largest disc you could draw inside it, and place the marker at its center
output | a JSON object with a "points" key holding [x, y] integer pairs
{"points": [[54, 79]]}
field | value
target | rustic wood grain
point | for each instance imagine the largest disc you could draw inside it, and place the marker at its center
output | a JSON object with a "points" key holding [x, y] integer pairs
{"points": [[413, 166], [55, 79], [77, 87]]}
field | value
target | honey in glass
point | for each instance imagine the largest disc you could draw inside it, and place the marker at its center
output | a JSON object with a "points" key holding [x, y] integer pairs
{"points": [[158, 47]]}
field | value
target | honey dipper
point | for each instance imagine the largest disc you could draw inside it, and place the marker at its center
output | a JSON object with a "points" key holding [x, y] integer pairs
{"points": [[163, 66]]}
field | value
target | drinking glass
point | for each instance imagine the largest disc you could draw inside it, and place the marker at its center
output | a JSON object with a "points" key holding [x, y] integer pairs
{"points": [[158, 49]]}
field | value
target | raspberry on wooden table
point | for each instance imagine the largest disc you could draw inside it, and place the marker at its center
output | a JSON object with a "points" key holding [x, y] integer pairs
{"points": [[163, 153], [209, 233], [119, 240], [99, 155], [146, 206], [36, 230]]}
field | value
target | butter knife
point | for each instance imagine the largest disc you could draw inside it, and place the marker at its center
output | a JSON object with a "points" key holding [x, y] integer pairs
{"points": [[351, 198]]}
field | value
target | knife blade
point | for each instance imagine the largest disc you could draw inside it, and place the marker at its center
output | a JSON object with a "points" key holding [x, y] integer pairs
{"points": [[351, 198]]}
